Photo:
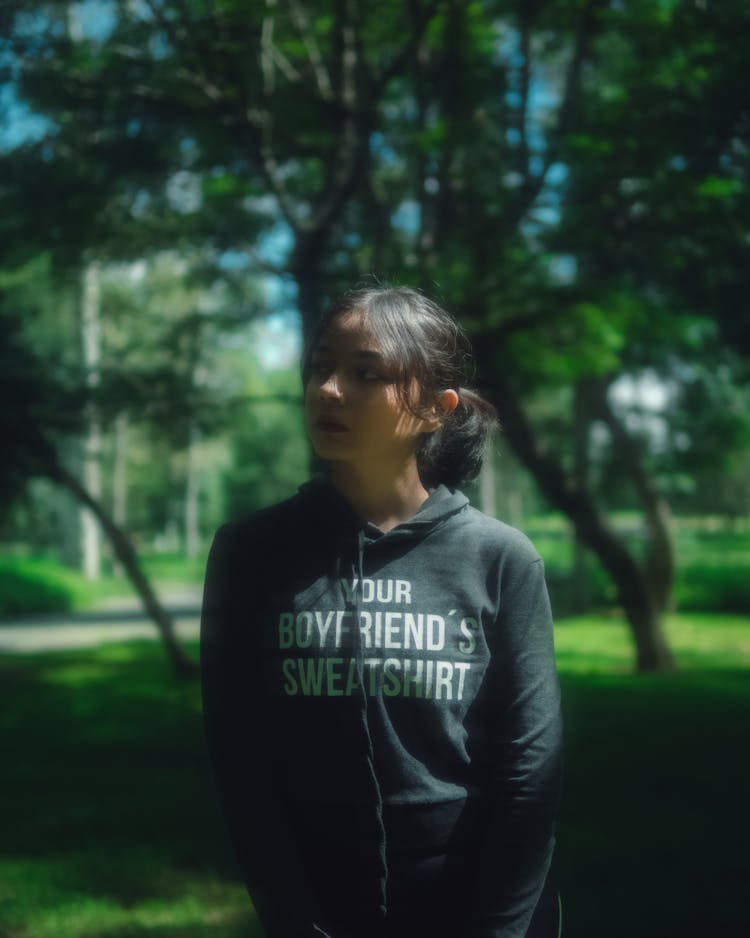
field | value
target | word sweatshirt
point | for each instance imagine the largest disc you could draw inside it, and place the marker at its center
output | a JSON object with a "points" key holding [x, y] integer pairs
{"points": [[368, 692]]}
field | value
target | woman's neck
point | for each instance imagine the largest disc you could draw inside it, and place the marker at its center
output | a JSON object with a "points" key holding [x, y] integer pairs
{"points": [[379, 494]]}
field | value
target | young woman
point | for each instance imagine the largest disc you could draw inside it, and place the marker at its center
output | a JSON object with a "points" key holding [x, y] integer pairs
{"points": [[380, 695]]}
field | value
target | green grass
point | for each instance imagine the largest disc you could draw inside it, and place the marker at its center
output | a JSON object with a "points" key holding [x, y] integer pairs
{"points": [[654, 828], [110, 827]]}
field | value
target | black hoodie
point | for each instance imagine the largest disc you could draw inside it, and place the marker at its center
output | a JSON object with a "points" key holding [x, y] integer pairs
{"points": [[369, 692]]}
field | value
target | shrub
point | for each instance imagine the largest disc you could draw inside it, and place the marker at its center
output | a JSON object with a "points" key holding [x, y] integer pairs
{"points": [[31, 586], [703, 588]]}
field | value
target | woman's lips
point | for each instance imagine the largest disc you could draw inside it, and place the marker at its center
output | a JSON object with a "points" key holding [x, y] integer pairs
{"points": [[329, 425]]}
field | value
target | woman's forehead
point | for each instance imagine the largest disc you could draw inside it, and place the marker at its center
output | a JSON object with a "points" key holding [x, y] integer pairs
{"points": [[350, 332]]}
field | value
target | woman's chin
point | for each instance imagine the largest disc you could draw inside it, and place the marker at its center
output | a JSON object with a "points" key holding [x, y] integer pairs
{"points": [[329, 448]]}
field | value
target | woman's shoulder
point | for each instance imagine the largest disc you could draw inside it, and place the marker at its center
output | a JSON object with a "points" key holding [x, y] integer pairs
{"points": [[280, 517], [497, 535], [287, 525]]}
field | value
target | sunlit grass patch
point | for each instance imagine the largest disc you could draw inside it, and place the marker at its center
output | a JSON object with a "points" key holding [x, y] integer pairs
{"points": [[604, 644], [52, 898], [706, 640], [589, 644]]}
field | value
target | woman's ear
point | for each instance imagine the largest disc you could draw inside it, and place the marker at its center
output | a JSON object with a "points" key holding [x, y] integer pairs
{"points": [[445, 403]]}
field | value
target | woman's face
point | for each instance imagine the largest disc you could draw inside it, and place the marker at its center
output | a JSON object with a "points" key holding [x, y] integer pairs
{"points": [[353, 407]]}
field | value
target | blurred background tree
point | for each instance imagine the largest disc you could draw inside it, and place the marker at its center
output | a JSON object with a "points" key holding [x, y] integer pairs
{"points": [[569, 177]]}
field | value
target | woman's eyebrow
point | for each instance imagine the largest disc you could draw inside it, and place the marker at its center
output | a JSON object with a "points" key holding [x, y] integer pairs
{"points": [[368, 354]]}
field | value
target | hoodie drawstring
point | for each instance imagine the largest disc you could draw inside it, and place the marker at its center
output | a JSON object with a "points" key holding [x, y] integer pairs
{"points": [[358, 576]]}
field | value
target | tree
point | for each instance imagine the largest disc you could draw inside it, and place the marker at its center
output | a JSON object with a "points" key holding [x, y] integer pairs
{"points": [[536, 164], [44, 408], [482, 209]]}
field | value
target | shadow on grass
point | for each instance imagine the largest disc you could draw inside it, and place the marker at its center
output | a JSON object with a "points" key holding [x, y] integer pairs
{"points": [[654, 828], [110, 827]]}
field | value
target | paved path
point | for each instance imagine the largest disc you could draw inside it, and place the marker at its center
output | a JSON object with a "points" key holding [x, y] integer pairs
{"points": [[115, 620]]}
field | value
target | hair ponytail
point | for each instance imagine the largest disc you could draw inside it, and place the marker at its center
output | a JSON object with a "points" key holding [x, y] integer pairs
{"points": [[453, 454]]}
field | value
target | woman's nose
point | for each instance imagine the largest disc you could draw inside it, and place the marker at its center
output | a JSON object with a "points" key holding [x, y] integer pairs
{"points": [[330, 389]]}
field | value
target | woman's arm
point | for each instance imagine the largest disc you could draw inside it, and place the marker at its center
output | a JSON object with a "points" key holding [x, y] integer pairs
{"points": [[236, 733], [526, 759]]}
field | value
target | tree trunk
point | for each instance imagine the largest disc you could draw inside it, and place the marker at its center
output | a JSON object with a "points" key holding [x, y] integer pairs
{"points": [[90, 333], [659, 565], [306, 268], [120, 472], [183, 664], [581, 475], [634, 593], [660, 562], [192, 532], [68, 508]]}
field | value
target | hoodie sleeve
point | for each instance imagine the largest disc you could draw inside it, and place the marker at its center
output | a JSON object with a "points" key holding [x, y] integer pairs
{"points": [[237, 739], [526, 760]]}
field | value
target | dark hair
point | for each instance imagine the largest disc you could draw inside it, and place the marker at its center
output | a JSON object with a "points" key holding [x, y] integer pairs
{"points": [[422, 342]]}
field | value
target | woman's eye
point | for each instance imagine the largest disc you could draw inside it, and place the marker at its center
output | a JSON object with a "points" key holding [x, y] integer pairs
{"points": [[367, 374], [320, 369]]}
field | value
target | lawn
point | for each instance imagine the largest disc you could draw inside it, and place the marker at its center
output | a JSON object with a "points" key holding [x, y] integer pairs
{"points": [[110, 827], [654, 829]]}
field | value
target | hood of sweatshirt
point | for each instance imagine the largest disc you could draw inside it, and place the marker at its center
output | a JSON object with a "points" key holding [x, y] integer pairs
{"points": [[321, 498]]}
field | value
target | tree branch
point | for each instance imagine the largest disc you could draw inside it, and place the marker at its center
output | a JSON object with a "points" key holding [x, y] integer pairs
{"points": [[322, 78], [358, 117], [49, 465], [266, 54], [420, 21], [269, 165], [533, 184], [591, 527], [525, 85], [352, 138]]}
